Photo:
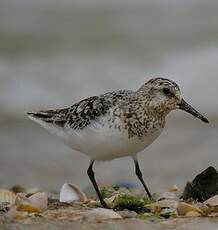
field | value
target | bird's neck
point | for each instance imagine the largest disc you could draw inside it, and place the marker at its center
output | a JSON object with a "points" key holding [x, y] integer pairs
{"points": [[148, 114]]}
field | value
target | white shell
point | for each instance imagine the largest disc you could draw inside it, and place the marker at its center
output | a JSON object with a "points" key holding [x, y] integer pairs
{"points": [[39, 200], [7, 196], [70, 192]]}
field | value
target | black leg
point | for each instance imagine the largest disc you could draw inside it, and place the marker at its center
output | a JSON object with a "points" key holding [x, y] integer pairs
{"points": [[139, 175], [91, 175]]}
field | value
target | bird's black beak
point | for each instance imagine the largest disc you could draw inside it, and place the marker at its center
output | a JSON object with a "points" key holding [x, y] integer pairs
{"points": [[189, 109]]}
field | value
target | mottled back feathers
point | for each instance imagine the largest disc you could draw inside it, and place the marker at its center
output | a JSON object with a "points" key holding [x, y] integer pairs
{"points": [[80, 114]]}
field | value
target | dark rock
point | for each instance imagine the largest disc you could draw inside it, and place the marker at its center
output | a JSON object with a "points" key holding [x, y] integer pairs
{"points": [[204, 186]]}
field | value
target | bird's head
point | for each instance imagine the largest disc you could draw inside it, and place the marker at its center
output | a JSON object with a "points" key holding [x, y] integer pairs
{"points": [[164, 95]]}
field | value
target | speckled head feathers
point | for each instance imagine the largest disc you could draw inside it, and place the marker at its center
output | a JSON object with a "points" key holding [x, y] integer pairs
{"points": [[159, 81], [162, 94]]}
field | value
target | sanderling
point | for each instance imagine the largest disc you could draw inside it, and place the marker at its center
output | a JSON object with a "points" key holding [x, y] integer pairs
{"points": [[116, 124]]}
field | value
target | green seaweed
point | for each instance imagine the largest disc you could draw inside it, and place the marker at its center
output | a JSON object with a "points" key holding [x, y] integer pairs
{"points": [[133, 203], [106, 191]]}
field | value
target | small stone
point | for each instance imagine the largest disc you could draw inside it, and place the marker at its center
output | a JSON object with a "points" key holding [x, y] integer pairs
{"points": [[111, 202], [183, 208], [100, 214], [18, 189], [173, 193], [127, 214], [52, 196], [199, 205], [193, 214], [27, 221], [213, 201], [4, 207], [173, 188], [157, 206], [169, 196], [168, 212], [12, 212], [214, 214]]}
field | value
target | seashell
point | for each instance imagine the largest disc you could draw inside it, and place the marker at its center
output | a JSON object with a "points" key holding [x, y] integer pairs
{"points": [[8, 197], [39, 200], [70, 192], [22, 199], [100, 214], [193, 214], [183, 208]]}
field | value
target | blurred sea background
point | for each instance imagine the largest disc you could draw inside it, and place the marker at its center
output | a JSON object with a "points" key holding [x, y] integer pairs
{"points": [[54, 53]]}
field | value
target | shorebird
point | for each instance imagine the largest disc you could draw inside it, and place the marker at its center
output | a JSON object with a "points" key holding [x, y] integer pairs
{"points": [[116, 124]]}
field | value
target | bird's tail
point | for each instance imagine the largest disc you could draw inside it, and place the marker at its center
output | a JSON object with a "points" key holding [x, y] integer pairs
{"points": [[46, 116]]}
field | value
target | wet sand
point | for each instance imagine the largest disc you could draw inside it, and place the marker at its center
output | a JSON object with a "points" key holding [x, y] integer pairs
{"points": [[177, 224]]}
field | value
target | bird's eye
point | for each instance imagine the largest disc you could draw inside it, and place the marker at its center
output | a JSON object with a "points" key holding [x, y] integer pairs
{"points": [[166, 91]]}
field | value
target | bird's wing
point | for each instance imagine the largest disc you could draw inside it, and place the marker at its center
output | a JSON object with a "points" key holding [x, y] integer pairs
{"points": [[79, 115]]}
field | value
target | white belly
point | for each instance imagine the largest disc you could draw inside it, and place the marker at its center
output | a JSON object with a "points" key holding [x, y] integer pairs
{"points": [[100, 142]]}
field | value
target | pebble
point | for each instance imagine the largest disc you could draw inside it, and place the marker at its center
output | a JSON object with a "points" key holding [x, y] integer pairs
{"points": [[213, 201], [167, 212], [100, 214], [169, 196], [173, 188], [111, 201], [157, 206], [127, 214]]}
